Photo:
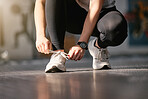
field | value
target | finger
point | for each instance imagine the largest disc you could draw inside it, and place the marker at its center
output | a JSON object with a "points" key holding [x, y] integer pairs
{"points": [[47, 45], [78, 56], [81, 56], [43, 48], [70, 54], [39, 49], [75, 54]]}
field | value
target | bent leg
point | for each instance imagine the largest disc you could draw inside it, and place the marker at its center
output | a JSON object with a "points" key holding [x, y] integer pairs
{"points": [[55, 20], [113, 29]]}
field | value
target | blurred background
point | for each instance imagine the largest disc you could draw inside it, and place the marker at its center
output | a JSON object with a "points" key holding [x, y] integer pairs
{"points": [[17, 30]]}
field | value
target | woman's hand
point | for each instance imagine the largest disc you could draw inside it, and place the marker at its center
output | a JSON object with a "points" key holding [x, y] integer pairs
{"points": [[76, 53], [43, 45]]}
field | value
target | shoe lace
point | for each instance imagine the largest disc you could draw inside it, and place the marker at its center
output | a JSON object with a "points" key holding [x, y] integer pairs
{"points": [[65, 55], [103, 54]]}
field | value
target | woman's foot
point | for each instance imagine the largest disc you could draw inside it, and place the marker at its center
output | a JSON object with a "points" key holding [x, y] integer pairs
{"points": [[56, 63], [100, 55]]}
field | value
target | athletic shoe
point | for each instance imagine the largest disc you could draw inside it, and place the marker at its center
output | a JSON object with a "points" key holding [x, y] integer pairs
{"points": [[100, 56], [56, 63]]}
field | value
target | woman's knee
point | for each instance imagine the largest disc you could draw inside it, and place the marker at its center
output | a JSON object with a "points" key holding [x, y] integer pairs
{"points": [[112, 27]]}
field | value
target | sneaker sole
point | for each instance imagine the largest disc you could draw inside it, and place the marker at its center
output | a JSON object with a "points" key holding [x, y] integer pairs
{"points": [[105, 67], [54, 69]]}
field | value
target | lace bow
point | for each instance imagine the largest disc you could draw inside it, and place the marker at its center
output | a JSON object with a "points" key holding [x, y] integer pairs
{"points": [[65, 55]]}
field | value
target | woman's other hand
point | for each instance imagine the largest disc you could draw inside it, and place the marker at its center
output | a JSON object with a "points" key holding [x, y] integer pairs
{"points": [[43, 45], [76, 53]]}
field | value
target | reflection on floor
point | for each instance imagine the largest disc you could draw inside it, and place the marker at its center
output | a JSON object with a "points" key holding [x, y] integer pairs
{"points": [[126, 80]]}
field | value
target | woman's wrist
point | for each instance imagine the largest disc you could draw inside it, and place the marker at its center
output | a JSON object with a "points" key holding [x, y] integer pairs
{"points": [[83, 45], [84, 39], [40, 34]]}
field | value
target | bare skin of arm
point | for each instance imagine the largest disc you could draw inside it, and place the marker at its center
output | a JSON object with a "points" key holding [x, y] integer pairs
{"points": [[42, 43], [95, 6]]}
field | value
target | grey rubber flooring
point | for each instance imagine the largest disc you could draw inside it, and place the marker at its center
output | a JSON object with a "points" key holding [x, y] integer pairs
{"points": [[25, 79]]}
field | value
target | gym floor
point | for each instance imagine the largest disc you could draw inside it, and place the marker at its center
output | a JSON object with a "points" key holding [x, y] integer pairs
{"points": [[25, 79]]}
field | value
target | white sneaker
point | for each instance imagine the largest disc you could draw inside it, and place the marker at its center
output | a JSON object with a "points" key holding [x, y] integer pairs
{"points": [[100, 56], [56, 63]]}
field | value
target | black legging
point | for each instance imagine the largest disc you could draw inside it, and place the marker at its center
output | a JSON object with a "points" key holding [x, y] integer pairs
{"points": [[67, 15]]}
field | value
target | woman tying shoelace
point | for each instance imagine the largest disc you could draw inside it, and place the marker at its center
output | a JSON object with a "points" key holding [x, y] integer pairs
{"points": [[98, 18]]}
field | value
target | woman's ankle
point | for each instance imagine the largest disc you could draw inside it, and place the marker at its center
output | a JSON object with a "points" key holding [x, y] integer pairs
{"points": [[96, 44]]}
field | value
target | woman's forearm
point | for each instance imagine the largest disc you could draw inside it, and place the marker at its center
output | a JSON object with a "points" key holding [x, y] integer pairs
{"points": [[95, 7], [39, 16]]}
